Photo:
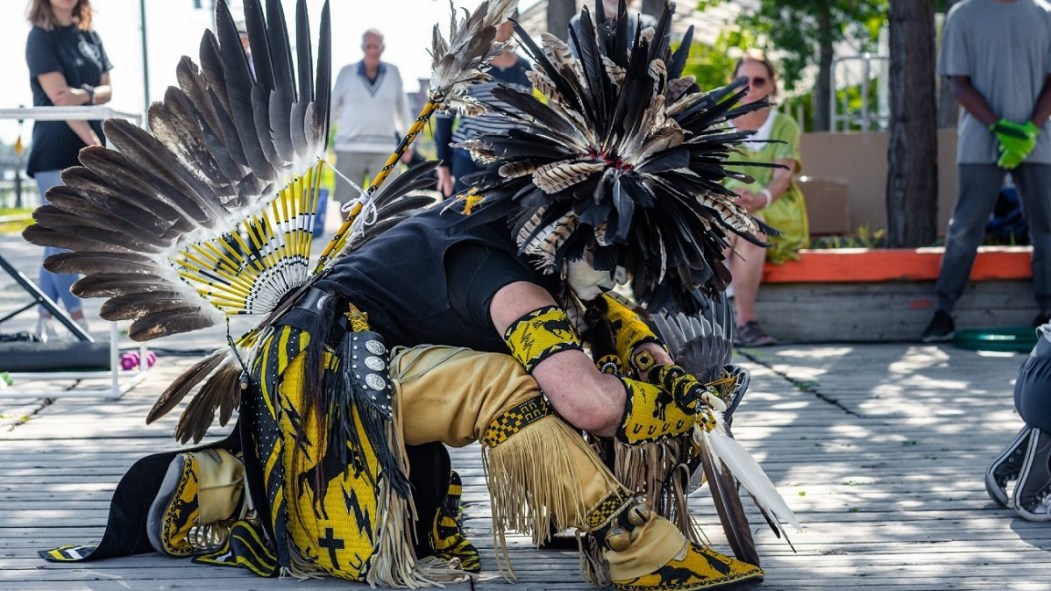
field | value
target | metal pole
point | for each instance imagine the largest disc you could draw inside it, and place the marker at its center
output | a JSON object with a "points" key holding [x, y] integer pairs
{"points": [[832, 96], [145, 59], [865, 74], [19, 149]]}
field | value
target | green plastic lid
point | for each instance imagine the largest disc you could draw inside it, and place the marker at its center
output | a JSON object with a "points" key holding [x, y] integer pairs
{"points": [[1019, 339]]}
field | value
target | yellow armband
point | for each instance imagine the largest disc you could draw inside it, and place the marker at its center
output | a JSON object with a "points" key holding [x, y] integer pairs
{"points": [[539, 335]]}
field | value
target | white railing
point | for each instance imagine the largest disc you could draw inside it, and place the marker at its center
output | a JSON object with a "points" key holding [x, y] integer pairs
{"points": [[67, 113], [859, 69]]}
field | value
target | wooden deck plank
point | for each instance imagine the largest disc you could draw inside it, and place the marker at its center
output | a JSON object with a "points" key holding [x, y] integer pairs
{"points": [[880, 450]]}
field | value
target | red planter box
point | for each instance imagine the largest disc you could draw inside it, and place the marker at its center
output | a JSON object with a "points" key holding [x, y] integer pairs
{"points": [[863, 265]]}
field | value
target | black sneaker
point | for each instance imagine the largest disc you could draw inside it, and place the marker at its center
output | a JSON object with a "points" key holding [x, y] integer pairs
{"points": [[1006, 467], [750, 334], [1033, 492], [941, 328]]}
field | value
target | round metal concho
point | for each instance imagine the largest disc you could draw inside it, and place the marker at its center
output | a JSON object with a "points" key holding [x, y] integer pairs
{"points": [[375, 382], [375, 363], [375, 347]]}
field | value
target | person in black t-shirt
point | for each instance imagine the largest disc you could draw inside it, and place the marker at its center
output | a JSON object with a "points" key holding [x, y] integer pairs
{"points": [[68, 67]]}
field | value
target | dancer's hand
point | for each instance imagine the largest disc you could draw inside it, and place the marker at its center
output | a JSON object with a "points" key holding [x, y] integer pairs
{"points": [[445, 180]]}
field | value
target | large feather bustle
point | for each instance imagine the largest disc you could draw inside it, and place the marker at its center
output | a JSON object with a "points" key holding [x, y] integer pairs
{"points": [[460, 61], [214, 202], [635, 152]]}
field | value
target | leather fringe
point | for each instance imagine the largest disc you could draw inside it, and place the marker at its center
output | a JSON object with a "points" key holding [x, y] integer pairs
{"points": [[651, 470], [394, 562], [527, 477]]}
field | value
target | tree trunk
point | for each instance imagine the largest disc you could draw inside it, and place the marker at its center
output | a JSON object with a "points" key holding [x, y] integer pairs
{"points": [[559, 13], [823, 93], [912, 176], [948, 109]]}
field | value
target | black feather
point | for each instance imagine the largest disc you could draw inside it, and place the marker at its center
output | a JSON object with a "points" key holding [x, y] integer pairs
{"points": [[137, 305], [220, 392], [182, 385], [305, 72], [71, 225], [318, 127], [92, 263], [284, 94], [582, 34], [122, 174], [108, 215], [678, 60], [239, 87], [126, 199], [110, 284], [256, 27], [169, 322], [263, 88], [174, 123], [41, 236]]}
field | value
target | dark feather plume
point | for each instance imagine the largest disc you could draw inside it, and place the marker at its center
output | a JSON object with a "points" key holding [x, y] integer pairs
{"points": [[181, 386], [221, 392]]}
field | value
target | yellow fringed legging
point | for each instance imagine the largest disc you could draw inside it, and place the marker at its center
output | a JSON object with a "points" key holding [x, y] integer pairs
{"points": [[544, 474]]}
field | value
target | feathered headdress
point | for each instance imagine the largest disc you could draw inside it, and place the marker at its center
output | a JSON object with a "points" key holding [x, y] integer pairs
{"points": [[622, 157]]}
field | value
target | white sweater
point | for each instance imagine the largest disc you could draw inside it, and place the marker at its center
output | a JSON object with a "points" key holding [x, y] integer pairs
{"points": [[369, 118]]}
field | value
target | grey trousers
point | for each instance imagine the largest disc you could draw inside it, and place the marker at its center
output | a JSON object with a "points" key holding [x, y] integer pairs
{"points": [[979, 186], [358, 166]]}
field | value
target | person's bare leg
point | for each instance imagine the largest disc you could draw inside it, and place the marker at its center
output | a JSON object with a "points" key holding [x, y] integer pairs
{"points": [[747, 272]]}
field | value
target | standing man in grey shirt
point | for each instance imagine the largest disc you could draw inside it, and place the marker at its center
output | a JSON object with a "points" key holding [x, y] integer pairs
{"points": [[370, 111], [997, 56]]}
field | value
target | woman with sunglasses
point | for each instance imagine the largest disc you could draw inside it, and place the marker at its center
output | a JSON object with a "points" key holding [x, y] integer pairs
{"points": [[772, 196]]}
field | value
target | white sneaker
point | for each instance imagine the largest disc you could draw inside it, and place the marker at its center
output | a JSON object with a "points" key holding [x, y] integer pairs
{"points": [[45, 330]]}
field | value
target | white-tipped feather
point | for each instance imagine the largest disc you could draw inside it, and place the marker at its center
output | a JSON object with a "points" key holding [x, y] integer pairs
{"points": [[547, 242], [461, 61], [746, 470]]}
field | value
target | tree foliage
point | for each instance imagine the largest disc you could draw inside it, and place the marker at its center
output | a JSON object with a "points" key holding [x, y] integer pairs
{"points": [[712, 65], [793, 28], [802, 33]]}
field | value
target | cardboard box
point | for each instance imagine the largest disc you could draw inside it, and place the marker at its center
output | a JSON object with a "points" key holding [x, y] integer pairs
{"points": [[827, 203]]}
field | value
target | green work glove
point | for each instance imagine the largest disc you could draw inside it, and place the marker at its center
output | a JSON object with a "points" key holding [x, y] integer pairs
{"points": [[1016, 141]]}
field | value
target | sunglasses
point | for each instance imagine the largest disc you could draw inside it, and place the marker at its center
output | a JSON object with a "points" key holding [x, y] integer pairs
{"points": [[758, 82]]}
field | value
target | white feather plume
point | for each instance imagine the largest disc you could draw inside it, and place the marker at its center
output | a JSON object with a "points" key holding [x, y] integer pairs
{"points": [[746, 470]]}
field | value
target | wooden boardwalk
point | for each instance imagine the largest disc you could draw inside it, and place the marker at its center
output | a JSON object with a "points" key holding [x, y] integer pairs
{"points": [[880, 450]]}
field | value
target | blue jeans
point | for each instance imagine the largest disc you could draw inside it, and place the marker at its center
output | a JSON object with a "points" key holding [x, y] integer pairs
{"points": [[461, 165], [54, 285]]}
